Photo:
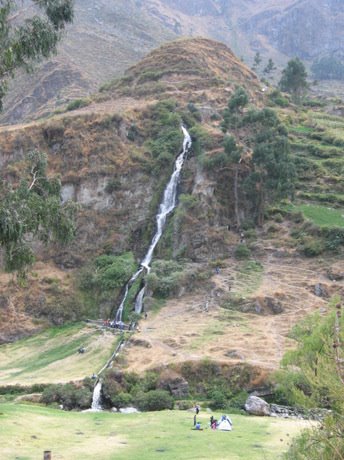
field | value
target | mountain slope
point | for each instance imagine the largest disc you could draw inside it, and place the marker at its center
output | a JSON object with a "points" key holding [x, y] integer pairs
{"points": [[114, 158]]}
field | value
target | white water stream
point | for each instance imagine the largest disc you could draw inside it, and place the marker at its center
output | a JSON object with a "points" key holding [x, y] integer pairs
{"points": [[166, 206], [96, 406]]}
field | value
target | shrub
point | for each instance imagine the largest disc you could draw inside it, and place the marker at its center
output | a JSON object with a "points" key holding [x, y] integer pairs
{"points": [[78, 104], [312, 247], [218, 399], [242, 252], [113, 185], [122, 400], [154, 400], [70, 396]]}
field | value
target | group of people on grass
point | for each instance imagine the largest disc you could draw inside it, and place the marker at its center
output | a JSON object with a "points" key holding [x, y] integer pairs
{"points": [[213, 423]]}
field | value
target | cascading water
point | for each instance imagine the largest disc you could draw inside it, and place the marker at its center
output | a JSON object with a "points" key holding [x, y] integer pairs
{"points": [[166, 206], [96, 406]]}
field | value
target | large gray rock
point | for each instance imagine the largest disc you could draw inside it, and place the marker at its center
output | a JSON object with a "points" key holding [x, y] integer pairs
{"points": [[257, 406]]}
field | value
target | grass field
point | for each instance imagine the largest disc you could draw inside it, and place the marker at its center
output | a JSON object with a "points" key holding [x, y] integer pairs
{"points": [[52, 356], [27, 430], [322, 215]]}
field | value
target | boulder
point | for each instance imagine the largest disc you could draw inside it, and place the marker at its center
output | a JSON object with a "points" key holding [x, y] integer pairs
{"points": [[257, 406], [320, 290], [335, 274]]}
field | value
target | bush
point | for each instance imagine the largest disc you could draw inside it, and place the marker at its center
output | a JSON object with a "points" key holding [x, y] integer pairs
{"points": [[154, 400], [78, 104], [70, 396], [312, 247], [242, 252], [122, 400], [218, 399]]}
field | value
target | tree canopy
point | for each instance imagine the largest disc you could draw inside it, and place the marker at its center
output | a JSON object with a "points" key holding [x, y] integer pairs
{"points": [[294, 79], [32, 210], [24, 40]]}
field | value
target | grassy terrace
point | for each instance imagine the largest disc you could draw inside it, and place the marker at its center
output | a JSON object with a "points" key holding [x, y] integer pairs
{"points": [[320, 215], [52, 356], [26, 431]]}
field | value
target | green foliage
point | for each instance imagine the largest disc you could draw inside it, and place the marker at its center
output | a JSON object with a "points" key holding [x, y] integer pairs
{"points": [[154, 400], [270, 67], [108, 272], [312, 377], [242, 252], [218, 399], [69, 395], [277, 98], [231, 115], [312, 247], [113, 185], [273, 175], [78, 104], [293, 79], [165, 135], [32, 208], [25, 41]]}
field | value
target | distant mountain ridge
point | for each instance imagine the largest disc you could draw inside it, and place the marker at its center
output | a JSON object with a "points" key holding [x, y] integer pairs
{"points": [[108, 36]]}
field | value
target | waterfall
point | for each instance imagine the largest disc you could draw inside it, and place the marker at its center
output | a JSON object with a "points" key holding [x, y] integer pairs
{"points": [[96, 406], [169, 200], [139, 300], [166, 206]]}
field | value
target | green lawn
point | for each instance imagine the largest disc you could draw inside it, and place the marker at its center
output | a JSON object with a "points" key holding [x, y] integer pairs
{"points": [[321, 215], [27, 430], [52, 356]]}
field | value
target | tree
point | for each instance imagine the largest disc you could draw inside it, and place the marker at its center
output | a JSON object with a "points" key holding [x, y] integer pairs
{"points": [[312, 375], [22, 42], [270, 67], [273, 173], [293, 79], [257, 60], [32, 210], [231, 114]]}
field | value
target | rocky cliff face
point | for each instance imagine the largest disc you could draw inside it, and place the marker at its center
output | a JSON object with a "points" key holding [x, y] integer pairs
{"points": [[306, 29]]}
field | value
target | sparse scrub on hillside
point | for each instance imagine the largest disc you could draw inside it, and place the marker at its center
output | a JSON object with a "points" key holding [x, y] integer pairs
{"points": [[78, 104], [168, 277]]}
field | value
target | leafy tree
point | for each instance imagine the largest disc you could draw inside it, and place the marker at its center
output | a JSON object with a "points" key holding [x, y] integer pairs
{"points": [[257, 60], [233, 111], [273, 171], [269, 68], [22, 42], [32, 210], [312, 375], [293, 79]]}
